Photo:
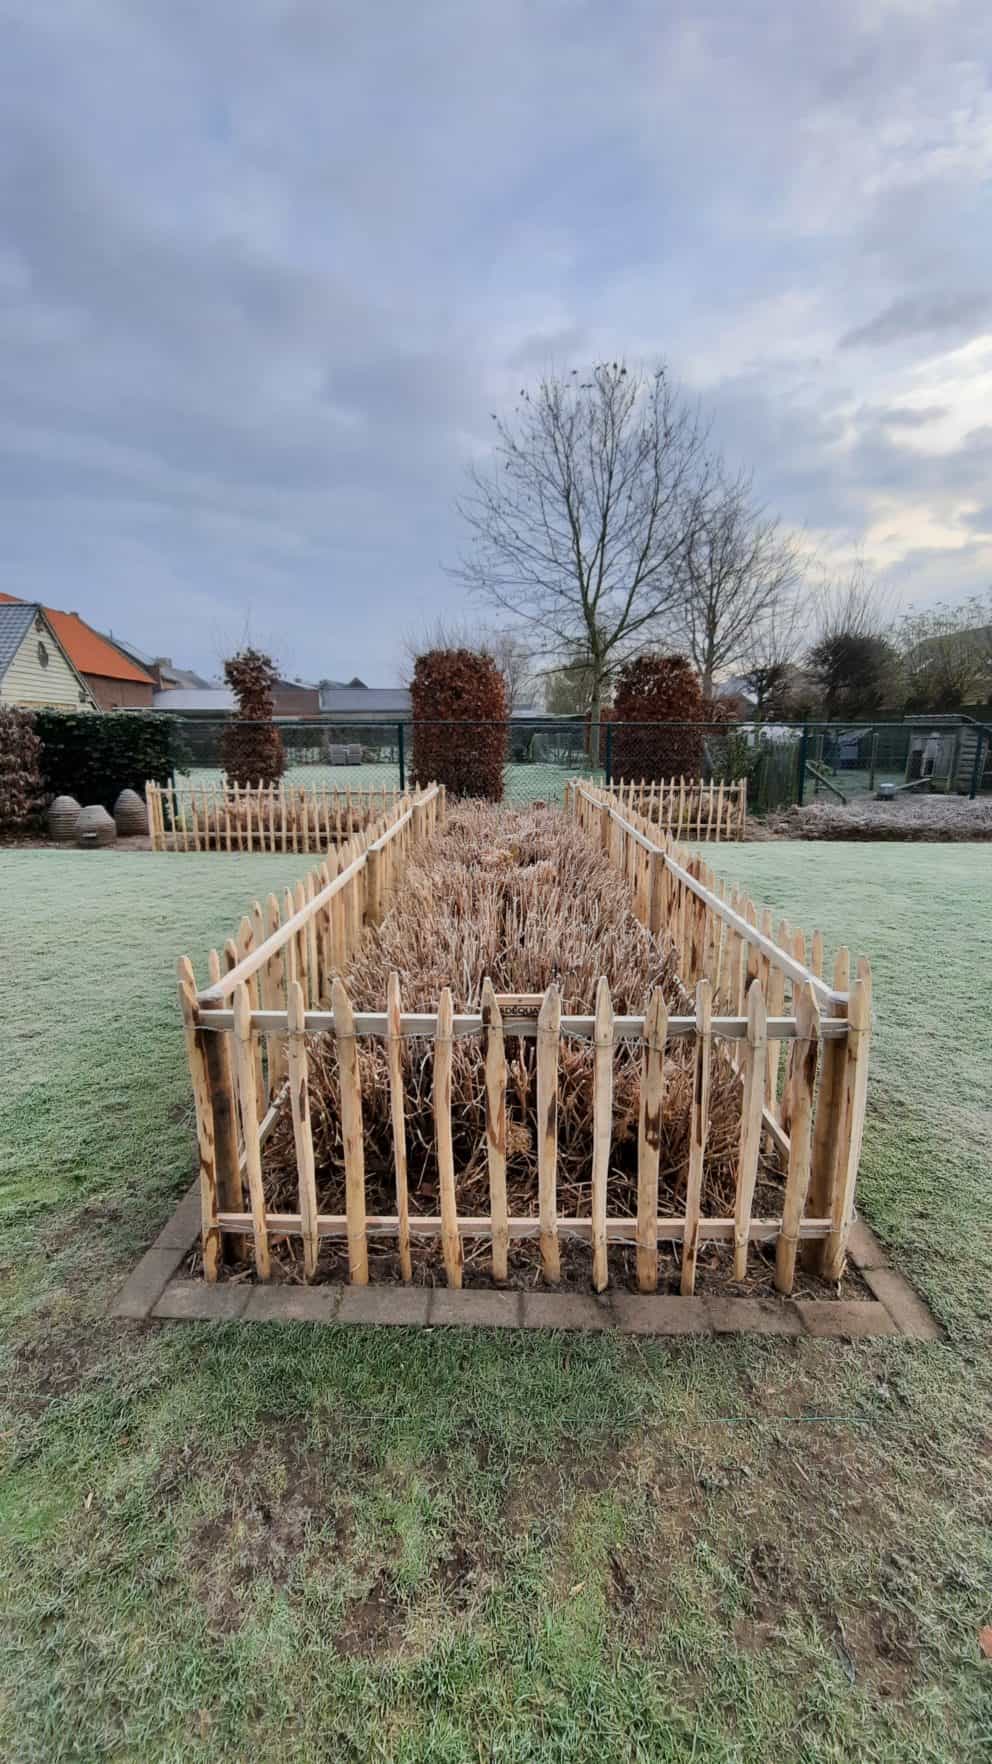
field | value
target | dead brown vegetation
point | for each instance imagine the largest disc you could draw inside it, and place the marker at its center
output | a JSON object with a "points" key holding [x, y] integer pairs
{"points": [[526, 899]]}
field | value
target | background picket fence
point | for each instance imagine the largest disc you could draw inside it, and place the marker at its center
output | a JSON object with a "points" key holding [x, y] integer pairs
{"points": [[260, 817], [689, 808]]}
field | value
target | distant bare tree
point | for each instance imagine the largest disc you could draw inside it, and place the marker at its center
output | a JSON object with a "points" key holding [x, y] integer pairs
{"points": [[511, 653], [736, 569], [568, 688], [508, 649], [947, 654], [576, 527], [771, 655], [853, 660], [854, 604]]}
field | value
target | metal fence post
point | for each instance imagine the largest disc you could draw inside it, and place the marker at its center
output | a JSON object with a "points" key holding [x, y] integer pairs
{"points": [[803, 749], [609, 756], [976, 770], [400, 755]]}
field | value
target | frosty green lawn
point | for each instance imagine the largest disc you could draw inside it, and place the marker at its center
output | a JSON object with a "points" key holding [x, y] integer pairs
{"points": [[250, 1543]]}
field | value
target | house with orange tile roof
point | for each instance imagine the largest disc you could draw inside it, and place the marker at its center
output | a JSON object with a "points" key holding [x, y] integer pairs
{"points": [[116, 680], [35, 672]]}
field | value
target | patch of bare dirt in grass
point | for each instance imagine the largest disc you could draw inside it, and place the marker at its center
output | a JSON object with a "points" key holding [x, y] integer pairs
{"points": [[381, 1624], [526, 1503], [275, 1496], [64, 1232], [769, 1520], [878, 1647], [375, 1626], [61, 1355], [876, 1641], [463, 1574]]}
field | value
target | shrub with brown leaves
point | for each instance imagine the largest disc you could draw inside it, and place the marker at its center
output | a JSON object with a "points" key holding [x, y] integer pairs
{"points": [[251, 746], [659, 690], [458, 699], [21, 791]]}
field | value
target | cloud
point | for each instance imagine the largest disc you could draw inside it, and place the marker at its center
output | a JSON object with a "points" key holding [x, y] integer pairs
{"points": [[957, 315], [908, 416], [266, 270]]}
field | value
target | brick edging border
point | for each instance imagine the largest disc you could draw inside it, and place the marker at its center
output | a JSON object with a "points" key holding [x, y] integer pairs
{"points": [[153, 1289]]}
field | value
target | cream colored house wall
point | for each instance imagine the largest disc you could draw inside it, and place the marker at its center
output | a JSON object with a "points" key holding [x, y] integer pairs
{"points": [[28, 683]]}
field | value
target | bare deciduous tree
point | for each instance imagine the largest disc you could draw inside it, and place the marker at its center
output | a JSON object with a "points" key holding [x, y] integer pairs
{"points": [[511, 653], [947, 654], [577, 526], [568, 688], [853, 660], [771, 655], [854, 604], [508, 649], [736, 569]]}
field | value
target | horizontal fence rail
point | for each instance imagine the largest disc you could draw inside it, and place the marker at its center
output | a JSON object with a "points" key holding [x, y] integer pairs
{"points": [[413, 1025], [666, 871], [261, 817], [754, 1006]]}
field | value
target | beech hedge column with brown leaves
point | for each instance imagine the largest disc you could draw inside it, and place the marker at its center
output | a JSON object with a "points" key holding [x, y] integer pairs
{"points": [[21, 793], [251, 746], [658, 690], [459, 723]]}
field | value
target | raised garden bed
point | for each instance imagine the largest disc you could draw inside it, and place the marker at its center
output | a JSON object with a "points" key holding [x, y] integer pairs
{"points": [[261, 817], [500, 1066], [689, 808]]}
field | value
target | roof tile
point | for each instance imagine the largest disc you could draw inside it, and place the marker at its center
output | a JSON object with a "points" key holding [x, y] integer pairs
{"points": [[87, 650]]}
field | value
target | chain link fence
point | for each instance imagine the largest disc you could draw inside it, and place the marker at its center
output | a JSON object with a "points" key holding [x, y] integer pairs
{"points": [[783, 763]]}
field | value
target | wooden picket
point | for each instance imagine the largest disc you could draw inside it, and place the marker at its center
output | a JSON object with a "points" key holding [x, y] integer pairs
{"points": [[278, 817], [689, 808], [496, 1127], [797, 1046]]}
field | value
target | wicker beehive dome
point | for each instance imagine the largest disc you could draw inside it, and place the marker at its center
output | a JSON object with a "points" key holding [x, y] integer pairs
{"points": [[95, 826], [63, 813], [130, 814]]}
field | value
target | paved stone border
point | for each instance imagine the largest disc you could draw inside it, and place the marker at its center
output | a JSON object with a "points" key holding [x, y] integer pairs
{"points": [[154, 1289], [148, 1280]]}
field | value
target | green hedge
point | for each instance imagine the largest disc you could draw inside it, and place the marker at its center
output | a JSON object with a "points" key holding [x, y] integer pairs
{"points": [[94, 757]]}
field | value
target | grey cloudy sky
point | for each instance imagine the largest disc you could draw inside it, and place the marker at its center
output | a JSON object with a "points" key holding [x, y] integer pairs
{"points": [[266, 268]]}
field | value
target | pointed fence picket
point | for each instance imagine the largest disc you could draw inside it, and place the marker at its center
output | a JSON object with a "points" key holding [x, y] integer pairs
{"points": [[733, 945], [277, 817], [798, 1047], [689, 808], [603, 1226]]}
